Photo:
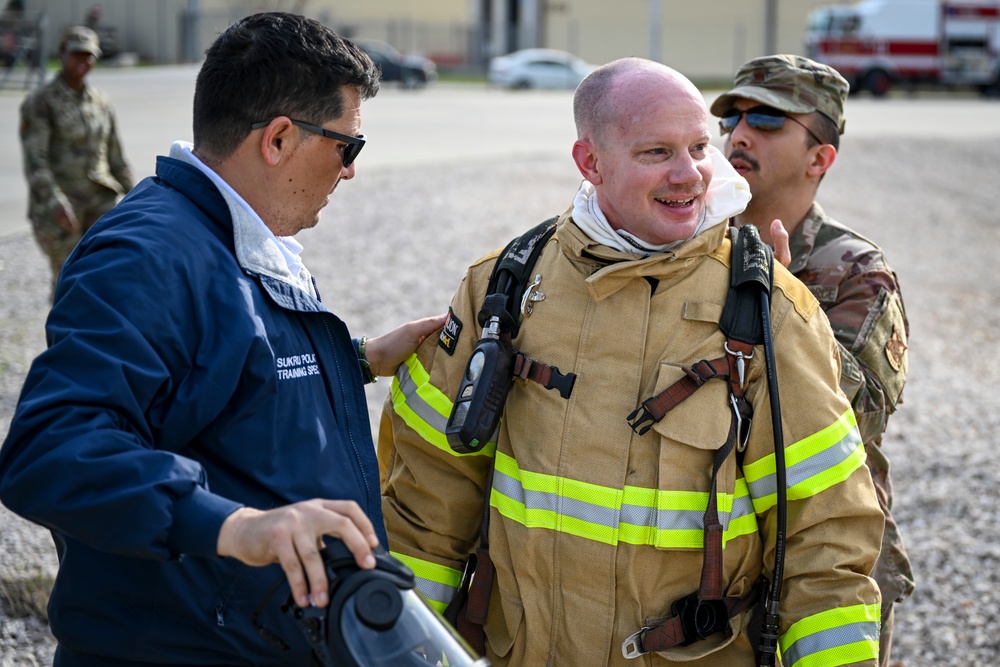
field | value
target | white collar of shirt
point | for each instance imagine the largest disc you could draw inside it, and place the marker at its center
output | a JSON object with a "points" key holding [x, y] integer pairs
{"points": [[289, 248]]}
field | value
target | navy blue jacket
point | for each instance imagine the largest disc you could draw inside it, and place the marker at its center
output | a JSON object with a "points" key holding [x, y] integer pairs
{"points": [[178, 386]]}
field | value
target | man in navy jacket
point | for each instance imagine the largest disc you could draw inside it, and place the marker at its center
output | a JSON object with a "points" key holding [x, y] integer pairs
{"points": [[199, 413]]}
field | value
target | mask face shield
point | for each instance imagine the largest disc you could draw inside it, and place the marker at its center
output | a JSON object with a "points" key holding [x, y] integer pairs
{"points": [[377, 619], [419, 636]]}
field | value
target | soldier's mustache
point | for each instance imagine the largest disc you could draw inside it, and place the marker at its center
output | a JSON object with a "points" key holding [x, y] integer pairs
{"points": [[740, 154]]}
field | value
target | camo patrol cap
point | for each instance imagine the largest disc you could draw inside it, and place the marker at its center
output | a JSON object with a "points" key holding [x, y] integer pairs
{"points": [[79, 39], [790, 83]]}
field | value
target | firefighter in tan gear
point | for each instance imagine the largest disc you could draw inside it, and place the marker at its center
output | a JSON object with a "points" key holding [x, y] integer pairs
{"points": [[596, 529]]}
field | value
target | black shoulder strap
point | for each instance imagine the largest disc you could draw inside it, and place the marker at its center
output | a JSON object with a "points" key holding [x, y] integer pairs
{"points": [[511, 275], [750, 288], [752, 267]]}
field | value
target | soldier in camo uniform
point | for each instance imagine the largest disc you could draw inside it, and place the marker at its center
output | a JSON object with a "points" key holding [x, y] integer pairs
{"points": [[72, 155], [784, 163]]}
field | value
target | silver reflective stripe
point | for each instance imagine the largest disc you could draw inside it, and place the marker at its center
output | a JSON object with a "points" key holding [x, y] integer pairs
{"points": [[817, 463], [433, 590], [666, 519], [611, 517], [417, 404], [828, 639], [742, 506]]}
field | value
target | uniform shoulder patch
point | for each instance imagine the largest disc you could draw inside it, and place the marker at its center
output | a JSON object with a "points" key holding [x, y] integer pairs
{"points": [[448, 339], [882, 346], [895, 348], [824, 293]]}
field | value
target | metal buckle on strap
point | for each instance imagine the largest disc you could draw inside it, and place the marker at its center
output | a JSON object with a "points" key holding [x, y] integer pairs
{"points": [[740, 363], [742, 435], [632, 646], [469, 573], [532, 293]]}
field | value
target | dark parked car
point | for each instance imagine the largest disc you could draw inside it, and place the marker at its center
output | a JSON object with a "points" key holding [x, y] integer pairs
{"points": [[411, 71]]}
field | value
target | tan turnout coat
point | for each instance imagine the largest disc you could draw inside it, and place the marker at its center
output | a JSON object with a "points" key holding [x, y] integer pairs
{"points": [[594, 529]]}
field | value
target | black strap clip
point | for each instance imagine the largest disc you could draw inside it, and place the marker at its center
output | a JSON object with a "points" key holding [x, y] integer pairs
{"points": [[640, 416], [700, 619], [563, 383]]}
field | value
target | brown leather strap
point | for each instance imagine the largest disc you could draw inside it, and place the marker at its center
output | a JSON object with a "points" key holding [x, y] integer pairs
{"points": [[481, 588], [655, 408], [711, 569], [472, 618], [473, 634], [663, 636], [695, 375], [670, 633], [474, 603], [549, 377], [729, 367]]}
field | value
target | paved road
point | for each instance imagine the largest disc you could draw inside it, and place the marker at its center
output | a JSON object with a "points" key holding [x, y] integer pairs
{"points": [[438, 126]]}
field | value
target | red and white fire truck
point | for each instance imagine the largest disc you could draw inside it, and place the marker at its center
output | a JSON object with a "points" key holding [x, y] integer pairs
{"points": [[876, 44]]}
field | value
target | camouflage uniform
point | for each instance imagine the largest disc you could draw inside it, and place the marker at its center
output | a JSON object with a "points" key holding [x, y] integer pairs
{"points": [[72, 159], [849, 276]]}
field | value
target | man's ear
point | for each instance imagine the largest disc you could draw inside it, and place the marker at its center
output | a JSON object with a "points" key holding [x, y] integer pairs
{"points": [[275, 140], [585, 156], [823, 157]]}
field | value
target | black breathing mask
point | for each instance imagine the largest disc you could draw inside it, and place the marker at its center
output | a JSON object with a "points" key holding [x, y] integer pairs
{"points": [[375, 618]]}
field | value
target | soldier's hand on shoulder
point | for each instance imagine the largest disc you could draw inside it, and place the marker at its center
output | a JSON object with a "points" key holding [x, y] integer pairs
{"points": [[782, 251]]}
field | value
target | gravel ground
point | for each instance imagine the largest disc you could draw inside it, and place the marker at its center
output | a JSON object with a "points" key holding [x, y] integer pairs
{"points": [[412, 232]]}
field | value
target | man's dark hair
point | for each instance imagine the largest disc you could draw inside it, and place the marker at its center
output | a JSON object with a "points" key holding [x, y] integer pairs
{"points": [[825, 129], [274, 64]]}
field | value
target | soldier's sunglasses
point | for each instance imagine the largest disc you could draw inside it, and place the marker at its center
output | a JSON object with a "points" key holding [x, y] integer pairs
{"points": [[763, 118], [352, 145]]}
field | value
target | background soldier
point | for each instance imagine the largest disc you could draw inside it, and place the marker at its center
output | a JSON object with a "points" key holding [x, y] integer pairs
{"points": [[784, 164], [72, 155]]}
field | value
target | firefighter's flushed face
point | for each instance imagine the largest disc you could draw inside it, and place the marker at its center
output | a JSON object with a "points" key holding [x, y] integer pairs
{"points": [[651, 164]]}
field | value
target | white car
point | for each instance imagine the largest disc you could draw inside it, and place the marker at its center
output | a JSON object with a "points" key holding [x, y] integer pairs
{"points": [[538, 68]]}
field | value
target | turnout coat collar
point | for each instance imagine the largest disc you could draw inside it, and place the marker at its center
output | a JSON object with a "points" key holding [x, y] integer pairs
{"points": [[611, 270]]}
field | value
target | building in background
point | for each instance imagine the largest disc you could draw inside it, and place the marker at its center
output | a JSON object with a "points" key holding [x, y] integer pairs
{"points": [[176, 31], [704, 40], [701, 39]]}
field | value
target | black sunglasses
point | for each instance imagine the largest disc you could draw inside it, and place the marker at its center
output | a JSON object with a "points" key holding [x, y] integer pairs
{"points": [[352, 145], [763, 118]]}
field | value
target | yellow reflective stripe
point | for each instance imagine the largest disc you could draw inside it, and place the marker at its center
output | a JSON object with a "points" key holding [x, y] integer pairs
{"points": [[834, 637], [422, 379], [813, 464], [634, 515], [742, 520], [424, 407], [437, 583]]}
